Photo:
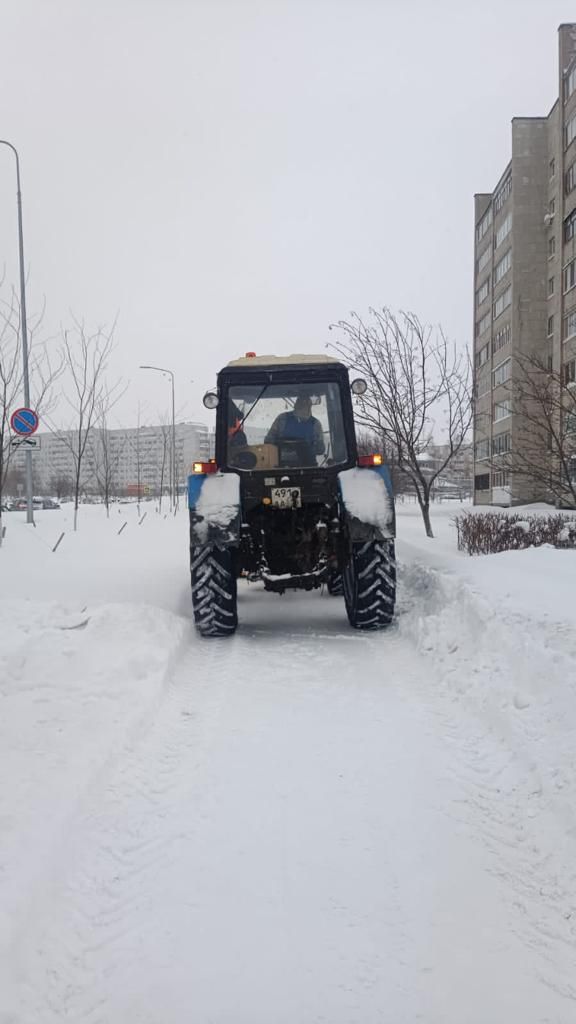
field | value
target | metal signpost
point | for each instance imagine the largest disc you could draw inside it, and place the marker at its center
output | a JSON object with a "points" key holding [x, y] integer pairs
{"points": [[23, 328]]}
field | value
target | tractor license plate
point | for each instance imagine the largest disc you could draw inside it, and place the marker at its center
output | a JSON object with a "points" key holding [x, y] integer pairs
{"points": [[286, 497]]}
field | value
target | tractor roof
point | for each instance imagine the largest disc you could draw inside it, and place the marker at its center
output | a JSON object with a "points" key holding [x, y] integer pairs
{"points": [[259, 361]]}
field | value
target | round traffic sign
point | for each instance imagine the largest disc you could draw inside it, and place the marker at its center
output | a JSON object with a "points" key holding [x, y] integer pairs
{"points": [[24, 421]]}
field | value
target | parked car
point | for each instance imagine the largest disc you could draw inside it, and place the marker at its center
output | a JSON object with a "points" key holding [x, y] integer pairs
{"points": [[37, 503]]}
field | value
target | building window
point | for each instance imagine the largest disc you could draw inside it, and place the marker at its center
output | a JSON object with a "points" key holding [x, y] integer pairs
{"points": [[501, 444], [501, 478], [570, 83], [569, 276], [502, 194], [569, 372], [482, 450], [502, 410], [552, 166], [552, 245], [550, 286], [570, 131], [569, 325], [501, 338], [502, 372], [482, 293], [570, 226], [482, 482], [484, 224], [503, 231], [482, 355], [502, 302], [484, 259], [550, 326], [570, 179], [503, 266], [483, 324]]}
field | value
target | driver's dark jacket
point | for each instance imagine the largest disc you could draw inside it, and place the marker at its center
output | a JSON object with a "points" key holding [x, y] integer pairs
{"points": [[287, 427]]}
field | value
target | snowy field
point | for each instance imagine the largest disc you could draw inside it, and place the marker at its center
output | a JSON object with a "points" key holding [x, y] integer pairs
{"points": [[300, 824]]}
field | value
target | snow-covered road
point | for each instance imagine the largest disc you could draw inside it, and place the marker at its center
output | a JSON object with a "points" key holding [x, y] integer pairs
{"points": [[300, 824]]}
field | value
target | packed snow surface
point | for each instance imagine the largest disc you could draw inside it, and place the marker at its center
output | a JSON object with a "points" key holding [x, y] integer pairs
{"points": [[301, 823], [366, 497]]}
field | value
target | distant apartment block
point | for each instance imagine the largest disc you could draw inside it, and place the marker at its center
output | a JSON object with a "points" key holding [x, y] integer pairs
{"points": [[524, 280], [138, 457]]}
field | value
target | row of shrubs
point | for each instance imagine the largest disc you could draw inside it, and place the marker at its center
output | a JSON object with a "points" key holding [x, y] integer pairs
{"points": [[486, 533]]}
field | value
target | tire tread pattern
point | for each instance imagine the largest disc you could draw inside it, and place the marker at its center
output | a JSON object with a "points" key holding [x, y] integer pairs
{"points": [[370, 584], [214, 591]]}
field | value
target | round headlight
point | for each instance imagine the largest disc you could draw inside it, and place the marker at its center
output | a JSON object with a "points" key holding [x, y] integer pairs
{"points": [[358, 386], [210, 400]]}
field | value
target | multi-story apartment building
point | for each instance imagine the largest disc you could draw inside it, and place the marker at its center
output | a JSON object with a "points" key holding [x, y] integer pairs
{"points": [[139, 457], [524, 281]]}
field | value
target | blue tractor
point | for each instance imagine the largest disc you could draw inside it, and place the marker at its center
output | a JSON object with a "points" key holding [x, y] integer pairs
{"points": [[287, 500]]}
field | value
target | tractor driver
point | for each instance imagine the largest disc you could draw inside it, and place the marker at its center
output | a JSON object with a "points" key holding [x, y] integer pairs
{"points": [[298, 425]]}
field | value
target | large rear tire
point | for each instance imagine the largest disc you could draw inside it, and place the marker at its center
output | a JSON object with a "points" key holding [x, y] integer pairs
{"points": [[334, 584], [370, 584], [214, 590]]}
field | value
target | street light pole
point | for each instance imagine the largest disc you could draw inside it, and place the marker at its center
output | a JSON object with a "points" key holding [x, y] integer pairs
{"points": [[24, 332], [169, 373]]}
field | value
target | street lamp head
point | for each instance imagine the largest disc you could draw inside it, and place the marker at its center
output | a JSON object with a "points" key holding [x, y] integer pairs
{"points": [[159, 369]]}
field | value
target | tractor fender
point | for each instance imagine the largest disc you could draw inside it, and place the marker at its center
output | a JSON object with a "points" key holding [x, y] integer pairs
{"points": [[214, 503], [368, 503]]}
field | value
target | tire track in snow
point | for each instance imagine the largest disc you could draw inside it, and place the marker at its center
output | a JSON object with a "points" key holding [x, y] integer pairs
{"points": [[121, 846], [126, 849], [293, 839], [513, 779], [68, 717]]}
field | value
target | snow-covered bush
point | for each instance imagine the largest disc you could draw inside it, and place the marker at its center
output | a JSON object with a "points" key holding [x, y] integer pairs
{"points": [[485, 533]]}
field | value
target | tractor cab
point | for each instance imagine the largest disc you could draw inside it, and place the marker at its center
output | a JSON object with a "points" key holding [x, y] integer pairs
{"points": [[284, 414]]}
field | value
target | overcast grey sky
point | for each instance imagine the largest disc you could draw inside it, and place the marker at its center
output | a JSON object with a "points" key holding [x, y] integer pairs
{"points": [[236, 174]]}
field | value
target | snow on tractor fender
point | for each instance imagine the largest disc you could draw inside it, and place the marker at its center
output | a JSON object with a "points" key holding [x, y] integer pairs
{"points": [[366, 495], [214, 503]]}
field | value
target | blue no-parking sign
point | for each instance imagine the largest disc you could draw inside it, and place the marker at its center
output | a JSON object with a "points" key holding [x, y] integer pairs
{"points": [[24, 421]]}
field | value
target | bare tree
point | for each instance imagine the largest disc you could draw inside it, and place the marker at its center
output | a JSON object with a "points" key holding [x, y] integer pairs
{"points": [[104, 454], [166, 442], [544, 448], [417, 384], [14, 482], [43, 371], [135, 444], [87, 355], [367, 442], [62, 486]]}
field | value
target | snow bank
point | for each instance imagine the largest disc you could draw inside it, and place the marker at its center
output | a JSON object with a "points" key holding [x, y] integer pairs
{"points": [[366, 497], [506, 672], [136, 556], [76, 687]]}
